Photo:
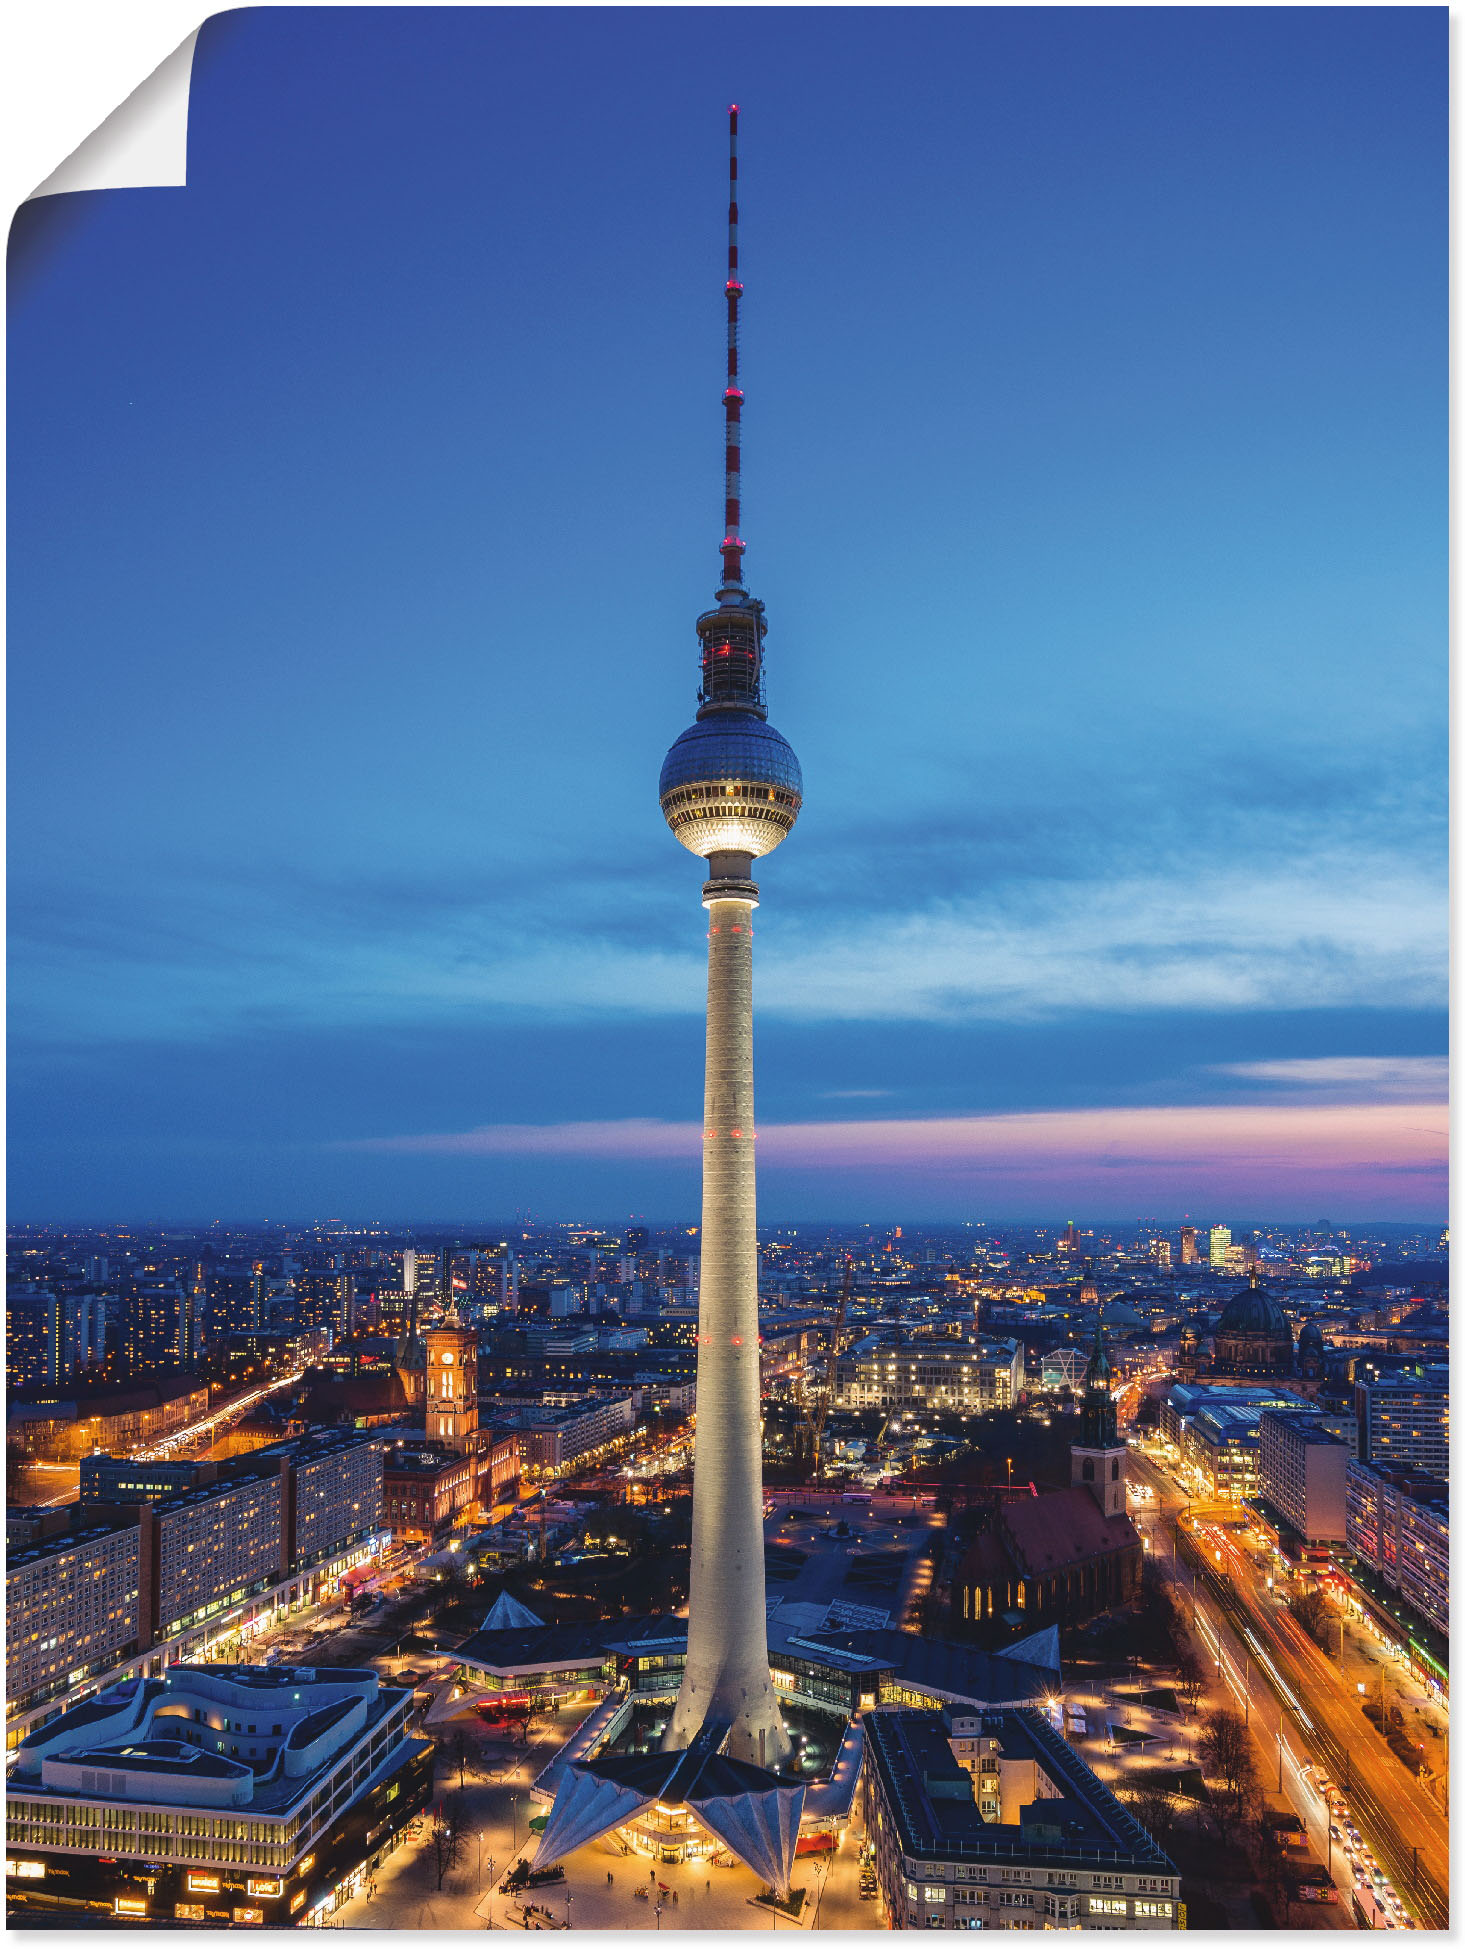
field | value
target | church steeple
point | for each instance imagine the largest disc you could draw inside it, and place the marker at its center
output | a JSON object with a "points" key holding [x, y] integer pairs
{"points": [[1099, 1454]]}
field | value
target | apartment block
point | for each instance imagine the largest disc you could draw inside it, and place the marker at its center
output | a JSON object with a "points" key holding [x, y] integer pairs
{"points": [[211, 1547], [1404, 1421], [1399, 1528], [1302, 1471], [73, 1608]]}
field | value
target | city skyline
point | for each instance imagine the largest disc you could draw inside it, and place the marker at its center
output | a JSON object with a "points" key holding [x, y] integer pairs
{"points": [[1143, 488]]}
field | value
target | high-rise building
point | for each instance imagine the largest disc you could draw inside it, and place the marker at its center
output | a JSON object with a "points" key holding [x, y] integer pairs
{"points": [[1404, 1421], [28, 1338], [1160, 1254], [1219, 1245], [233, 1300], [731, 789], [1068, 1240], [154, 1327]]}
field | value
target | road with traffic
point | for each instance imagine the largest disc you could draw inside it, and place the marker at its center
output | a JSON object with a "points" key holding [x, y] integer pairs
{"points": [[1306, 1722]]}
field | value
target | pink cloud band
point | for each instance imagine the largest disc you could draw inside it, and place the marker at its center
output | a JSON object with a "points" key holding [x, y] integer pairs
{"points": [[1311, 1140]]}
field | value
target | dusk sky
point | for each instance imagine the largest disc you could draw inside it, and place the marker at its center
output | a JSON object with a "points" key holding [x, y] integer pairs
{"points": [[364, 494]]}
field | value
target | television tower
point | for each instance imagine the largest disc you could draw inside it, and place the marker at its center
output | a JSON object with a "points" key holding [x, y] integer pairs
{"points": [[730, 791]]}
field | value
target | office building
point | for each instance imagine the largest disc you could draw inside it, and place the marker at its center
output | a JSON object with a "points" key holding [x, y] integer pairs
{"points": [[121, 1479], [1218, 1245], [424, 1486], [966, 1377], [1302, 1473], [551, 1435], [1188, 1253], [1404, 1420], [221, 1795], [1023, 1835], [1216, 1432]]}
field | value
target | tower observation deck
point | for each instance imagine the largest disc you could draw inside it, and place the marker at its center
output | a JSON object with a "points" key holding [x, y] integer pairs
{"points": [[731, 789]]}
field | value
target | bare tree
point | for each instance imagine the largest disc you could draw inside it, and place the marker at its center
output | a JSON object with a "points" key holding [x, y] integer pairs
{"points": [[445, 1836], [1191, 1678], [1315, 1614], [461, 1753], [1155, 1810], [1269, 1851], [1227, 1751]]}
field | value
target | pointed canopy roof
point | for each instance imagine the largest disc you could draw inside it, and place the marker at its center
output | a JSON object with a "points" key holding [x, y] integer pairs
{"points": [[508, 1614], [1039, 1648], [750, 1810]]}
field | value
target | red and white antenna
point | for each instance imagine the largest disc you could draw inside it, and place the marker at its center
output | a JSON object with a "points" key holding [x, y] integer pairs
{"points": [[732, 399]]}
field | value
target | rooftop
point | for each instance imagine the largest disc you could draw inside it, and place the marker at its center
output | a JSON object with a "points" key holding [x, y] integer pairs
{"points": [[200, 1733], [930, 1795]]}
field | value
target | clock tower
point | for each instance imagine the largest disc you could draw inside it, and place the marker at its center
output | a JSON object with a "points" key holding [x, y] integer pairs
{"points": [[451, 1404]]}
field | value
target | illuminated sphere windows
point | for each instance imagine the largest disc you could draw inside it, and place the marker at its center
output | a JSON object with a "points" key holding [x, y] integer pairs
{"points": [[731, 784]]}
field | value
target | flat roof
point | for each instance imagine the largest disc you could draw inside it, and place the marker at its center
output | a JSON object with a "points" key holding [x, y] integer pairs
{"points": [[912, 1753]]}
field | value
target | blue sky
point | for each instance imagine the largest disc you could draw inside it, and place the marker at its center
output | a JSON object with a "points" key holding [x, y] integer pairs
{"points": [[364, 493]]}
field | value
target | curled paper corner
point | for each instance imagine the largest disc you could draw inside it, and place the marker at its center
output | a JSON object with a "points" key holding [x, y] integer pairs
{"points": [[143, 144]]}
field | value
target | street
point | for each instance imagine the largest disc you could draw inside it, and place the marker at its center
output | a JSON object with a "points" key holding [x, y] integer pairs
{"points": [[1300, 1710]]}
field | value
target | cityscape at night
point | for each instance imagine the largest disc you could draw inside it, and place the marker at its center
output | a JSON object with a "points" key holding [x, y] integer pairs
{"points": [[451, 1483]]}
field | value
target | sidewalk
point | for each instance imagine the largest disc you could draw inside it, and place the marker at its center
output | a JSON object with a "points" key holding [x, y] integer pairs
{"points": [[495, 1816]]}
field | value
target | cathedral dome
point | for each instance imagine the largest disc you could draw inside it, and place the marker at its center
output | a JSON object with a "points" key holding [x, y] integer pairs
{"points": [[1254, 1312], [1310, 1337]]}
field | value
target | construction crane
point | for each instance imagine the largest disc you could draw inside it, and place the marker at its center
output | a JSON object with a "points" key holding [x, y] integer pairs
{"points": [[826, 1394]]}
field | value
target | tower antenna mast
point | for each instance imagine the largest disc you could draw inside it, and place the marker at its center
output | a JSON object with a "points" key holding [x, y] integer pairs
{"points": [[732, 399]]}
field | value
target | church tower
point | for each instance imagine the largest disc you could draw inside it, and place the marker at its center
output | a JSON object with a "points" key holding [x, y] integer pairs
{"points": [[1099, 1454], [451, 1406]]}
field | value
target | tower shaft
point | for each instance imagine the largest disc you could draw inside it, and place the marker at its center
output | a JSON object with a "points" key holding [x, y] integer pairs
{"points": [[727, 1677]]}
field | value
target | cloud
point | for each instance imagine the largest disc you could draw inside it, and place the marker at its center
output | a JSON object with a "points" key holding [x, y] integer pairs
{"points": [[1353, 1079], [1164, 1146]]}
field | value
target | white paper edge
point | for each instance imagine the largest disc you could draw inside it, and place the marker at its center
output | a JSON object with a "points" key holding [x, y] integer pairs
{"points": [[143, 144]]}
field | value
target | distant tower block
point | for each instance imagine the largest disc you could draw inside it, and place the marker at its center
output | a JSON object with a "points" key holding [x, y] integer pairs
{"points": [[731, 789], [452, 1384]]}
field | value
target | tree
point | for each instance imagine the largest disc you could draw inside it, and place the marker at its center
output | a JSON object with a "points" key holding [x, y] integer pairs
{"points": [[445, 1837], [1226, 1748], [1191, 1675], [1269, 1851], [1155, 1810], [461, 1752], [1315, 1614]]}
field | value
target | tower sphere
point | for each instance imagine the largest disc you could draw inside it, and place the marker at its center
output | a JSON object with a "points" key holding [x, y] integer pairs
{"points": [[731, 784]]}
